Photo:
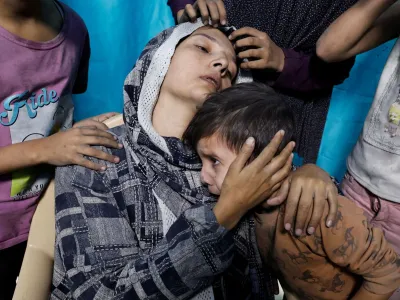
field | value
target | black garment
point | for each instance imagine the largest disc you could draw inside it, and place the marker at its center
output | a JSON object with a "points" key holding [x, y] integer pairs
{"points": [[10, 264], [294, 24]]}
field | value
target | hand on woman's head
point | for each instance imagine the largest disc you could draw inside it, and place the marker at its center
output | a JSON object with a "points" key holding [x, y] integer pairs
{"points": [[203, 63]]}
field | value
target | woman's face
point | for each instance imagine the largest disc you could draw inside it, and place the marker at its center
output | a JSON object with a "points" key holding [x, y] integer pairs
{"points": [[202, 64]]}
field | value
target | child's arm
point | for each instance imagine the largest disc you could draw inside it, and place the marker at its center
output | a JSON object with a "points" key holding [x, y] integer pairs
{"points": [[363, 27], [354, 244], [62, 148]]}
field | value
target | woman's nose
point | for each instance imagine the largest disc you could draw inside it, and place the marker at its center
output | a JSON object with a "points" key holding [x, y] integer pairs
{"points": [[221, 64]]}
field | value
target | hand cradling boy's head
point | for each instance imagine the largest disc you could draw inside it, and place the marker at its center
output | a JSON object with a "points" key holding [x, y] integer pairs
{"points": [[228, 118]]}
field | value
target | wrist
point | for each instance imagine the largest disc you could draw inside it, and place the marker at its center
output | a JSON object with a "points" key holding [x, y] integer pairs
{"points": [[281, 60], [38, 153], [226, 216]]}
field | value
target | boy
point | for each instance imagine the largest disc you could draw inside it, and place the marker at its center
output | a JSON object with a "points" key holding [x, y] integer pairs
{"points": [[351, 259], [44, 58]]}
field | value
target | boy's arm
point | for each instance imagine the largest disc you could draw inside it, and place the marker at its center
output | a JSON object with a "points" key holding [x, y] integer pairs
{"points": [[354, 244], [60, 149], [21, 155], [364, 26]]}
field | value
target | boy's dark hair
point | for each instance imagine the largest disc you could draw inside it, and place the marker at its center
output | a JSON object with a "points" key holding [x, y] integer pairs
{"points": [[239, 112]]}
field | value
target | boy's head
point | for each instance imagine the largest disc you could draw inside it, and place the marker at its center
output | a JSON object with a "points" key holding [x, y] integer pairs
{"points": [[227, 119]]}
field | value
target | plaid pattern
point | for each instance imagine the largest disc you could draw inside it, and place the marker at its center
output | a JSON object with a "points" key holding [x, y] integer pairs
{"points": [[111, 242]]}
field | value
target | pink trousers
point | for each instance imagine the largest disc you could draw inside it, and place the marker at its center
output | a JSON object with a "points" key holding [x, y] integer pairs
{"points": [[388, 217]]}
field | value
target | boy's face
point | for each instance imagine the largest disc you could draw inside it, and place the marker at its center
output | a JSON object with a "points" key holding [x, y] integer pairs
{"points": [[216, 158]]}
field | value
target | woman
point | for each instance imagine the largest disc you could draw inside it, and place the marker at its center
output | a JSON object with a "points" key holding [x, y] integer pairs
{"points": [[147, 228]]}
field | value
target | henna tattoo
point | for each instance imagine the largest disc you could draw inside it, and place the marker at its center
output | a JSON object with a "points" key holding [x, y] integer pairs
{"points": [[299, 258], [337, 223], [317, 242], [348, 244], [336, 286], [365, 223], [307, 277]]}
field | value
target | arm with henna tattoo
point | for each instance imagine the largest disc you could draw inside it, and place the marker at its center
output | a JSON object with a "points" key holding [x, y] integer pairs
{"points": [[362, 249]]}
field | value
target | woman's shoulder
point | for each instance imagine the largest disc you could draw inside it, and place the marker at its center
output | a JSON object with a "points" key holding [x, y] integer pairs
{"points": [[76, 176]]}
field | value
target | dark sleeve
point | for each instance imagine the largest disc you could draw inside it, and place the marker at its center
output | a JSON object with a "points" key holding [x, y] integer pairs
{"points": [[81, 81], [177, 5], [306, 72]]}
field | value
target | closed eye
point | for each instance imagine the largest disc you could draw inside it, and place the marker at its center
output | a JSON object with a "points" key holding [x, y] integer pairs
{"points": [[202, 48]]}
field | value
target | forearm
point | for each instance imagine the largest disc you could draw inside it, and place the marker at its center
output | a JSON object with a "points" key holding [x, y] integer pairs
{"points": [[363, 294], [357, 30], [20, 155], [307, 73]]}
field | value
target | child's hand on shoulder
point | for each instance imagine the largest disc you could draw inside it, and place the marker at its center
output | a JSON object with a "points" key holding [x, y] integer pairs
{"points": [[69, 147], [307, 190]]}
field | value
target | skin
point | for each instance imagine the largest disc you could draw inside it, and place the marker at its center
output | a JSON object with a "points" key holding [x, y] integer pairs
{"points": [[40, 21], [364, 26], [216, 159]]}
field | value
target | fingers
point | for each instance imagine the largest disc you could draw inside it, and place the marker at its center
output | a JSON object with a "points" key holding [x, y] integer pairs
{"points": [[318, 209], [81, 161], [246, 31], [333, 207], [281, 196], [93, 152], [249, 42], [291, 205], [222, 12], [91, 123], [190, 12], [93, 131], [282, 174], [304, 209], [256, 64], [243, 156], [97, 137], [214, 13], [251, 53], [94, 140], [202, 5], [106, 116], [269, 151]]}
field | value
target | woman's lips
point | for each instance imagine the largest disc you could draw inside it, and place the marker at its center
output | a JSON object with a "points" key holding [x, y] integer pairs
{"points": [[212, 80]]}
